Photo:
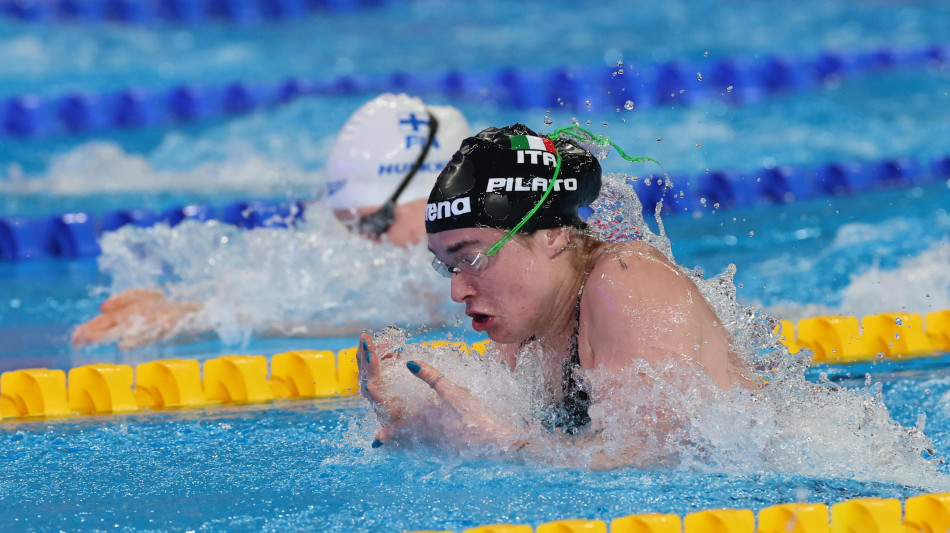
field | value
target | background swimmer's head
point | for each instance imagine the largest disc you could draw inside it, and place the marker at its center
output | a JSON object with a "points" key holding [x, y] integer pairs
{"points": [[378, 146], [498, 176]]}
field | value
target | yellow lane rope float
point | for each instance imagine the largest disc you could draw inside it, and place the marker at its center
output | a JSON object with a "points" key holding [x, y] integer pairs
{"points": [[924, 513]]}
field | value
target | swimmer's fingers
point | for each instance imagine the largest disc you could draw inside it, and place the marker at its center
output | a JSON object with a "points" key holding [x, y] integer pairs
{"points": [[381, 438], [95, 330], [129, 297], [366, 358], [446, 389]]}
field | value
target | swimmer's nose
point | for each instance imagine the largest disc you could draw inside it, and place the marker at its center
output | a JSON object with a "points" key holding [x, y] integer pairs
{"points": [[461, 288]]}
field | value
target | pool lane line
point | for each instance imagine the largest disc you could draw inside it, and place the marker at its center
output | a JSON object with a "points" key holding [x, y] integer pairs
{"points": [[241, 379], [106, 388], [76, 235], [736, 80], [847, 339], [149, 13], [925, 512]]}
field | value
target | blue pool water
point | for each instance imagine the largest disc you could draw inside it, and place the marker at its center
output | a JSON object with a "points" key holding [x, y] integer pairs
{"points": [[307, 465]]}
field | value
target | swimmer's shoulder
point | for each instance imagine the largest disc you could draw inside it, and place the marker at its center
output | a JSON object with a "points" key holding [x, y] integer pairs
{"points": [[621, 257]]}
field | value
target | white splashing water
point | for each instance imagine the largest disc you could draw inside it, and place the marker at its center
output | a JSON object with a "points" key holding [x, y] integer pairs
{"points": [[318, 279], [671, 413], [920, 284]]}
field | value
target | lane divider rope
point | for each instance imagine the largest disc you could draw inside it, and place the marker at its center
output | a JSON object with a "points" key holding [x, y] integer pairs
{"points": [[103, 388], [736, 80], [922, 513], [846, 339], [176, 12], [75, 235]]}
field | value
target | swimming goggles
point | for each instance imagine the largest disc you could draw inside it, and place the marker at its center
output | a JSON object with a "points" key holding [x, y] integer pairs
{"points": [[375, 224], [473, 263]]}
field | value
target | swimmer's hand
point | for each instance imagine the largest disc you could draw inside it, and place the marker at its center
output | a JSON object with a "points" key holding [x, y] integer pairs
{"points": [[459, 410], [133, 318]]}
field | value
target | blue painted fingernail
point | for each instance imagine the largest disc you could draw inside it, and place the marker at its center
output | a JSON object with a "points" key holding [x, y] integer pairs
{"points": [[413, 366], [377, 443]]}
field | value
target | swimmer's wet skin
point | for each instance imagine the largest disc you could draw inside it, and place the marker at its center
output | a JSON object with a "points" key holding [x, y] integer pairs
{"points": [[502, 222]]}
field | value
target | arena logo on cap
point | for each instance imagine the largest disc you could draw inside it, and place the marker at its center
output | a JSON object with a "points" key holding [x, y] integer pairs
{"points": [[446, 209], [540, 150], [529, 184]]}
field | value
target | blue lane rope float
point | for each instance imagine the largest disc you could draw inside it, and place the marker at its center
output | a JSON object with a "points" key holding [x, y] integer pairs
{"points": [[75, 235], [736, 80], [176, 12]]}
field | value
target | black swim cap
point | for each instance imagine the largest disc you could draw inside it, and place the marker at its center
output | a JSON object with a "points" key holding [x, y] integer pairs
{"points": [[499, 175]]}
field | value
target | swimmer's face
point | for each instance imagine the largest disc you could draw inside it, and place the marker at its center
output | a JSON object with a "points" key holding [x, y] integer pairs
{"points": [[506, 300], [408, 225]]}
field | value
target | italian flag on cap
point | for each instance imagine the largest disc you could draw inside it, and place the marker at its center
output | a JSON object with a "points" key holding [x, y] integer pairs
{"points": [[530, 142]]}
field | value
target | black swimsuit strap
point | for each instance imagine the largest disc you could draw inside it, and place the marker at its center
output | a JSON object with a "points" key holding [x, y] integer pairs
{"points": [[576, 399]]}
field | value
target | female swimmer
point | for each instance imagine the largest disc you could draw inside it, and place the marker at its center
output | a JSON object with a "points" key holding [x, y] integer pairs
{"points": [[502, 222]]}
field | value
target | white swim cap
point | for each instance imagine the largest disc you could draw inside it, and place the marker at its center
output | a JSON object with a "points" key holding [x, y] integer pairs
{"points": [[379, 144]]}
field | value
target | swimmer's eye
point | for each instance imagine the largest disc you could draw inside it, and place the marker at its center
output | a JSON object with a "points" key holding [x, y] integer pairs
{"points": [[473, 263]]}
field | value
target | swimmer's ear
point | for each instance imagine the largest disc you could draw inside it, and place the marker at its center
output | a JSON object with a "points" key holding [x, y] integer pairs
{"points": [[557, 240]]}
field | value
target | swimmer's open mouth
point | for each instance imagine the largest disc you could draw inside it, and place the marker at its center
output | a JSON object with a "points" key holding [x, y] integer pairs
{"points": [[480, 321]]}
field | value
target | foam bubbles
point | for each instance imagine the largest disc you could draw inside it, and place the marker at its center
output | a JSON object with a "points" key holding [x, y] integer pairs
{"points": [[920, 284], [318, 279]]}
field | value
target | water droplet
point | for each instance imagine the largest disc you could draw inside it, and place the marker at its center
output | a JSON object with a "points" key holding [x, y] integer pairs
{"points": [[682, 91], [705, 54], [751, 234], [620, 71], [588, 123], [699, 76], [548, 121], [899, 321], [605, 123], [587, 103], [620, 62], [628, 105], [698, 145], [658, 139], [729, 89]]}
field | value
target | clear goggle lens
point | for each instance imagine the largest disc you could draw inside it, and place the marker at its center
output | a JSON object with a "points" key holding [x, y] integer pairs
{"points": [[474, 264]]}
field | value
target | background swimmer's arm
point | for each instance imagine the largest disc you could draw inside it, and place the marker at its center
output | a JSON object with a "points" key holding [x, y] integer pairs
{"points": [[138, 317]]}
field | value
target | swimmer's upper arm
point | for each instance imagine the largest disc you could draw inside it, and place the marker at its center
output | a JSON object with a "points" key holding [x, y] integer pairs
{"points": [[637, 305]]}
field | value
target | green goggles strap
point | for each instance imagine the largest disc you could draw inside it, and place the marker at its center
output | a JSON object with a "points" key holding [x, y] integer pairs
{"points": [[570, 131]]}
